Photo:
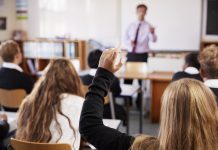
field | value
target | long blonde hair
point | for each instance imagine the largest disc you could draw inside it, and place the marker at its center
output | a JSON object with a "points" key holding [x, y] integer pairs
{"points": [[189, 118], [40, 107]]}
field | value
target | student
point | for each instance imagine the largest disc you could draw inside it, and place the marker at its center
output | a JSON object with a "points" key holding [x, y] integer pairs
{"points": [[208, 59], [11, 74], [50, 114], [189, 115], [4, 127], [190, 68], [93, 60]]}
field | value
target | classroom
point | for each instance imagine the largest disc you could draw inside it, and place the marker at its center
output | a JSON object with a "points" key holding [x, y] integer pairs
{"points": [[108, 75]]}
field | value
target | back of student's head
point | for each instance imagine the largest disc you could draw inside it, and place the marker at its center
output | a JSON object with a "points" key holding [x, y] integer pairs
{"points": [[8, 51], [208, 59], [40, 107], [191, 60], [93, 58], [189, 119]]}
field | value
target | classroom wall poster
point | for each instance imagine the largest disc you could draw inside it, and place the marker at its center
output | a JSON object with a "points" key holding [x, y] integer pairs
{"points": [[22, 9]]}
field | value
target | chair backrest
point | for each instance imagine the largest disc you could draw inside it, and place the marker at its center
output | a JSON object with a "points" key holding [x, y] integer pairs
{"points": [[12, 98], [106, 99], [23, 145], [139, 67]]}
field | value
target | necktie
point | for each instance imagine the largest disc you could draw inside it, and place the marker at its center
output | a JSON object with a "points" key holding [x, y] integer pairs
{"points": [[136, 38]]}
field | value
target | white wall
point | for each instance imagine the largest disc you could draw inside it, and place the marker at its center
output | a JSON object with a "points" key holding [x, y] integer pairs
{"points": [[8, 10], [177, 22], [98, 19]]}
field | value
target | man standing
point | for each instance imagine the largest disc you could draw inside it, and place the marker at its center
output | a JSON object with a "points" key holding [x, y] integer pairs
{"points": [[138, 35]]}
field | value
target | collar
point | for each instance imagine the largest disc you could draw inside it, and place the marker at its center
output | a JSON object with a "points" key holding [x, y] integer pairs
{"points": [[212, 83], [191, 70], [12, 66], [92, 72]]}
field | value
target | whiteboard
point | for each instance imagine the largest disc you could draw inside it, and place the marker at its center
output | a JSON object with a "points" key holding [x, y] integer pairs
{"points": [[177, 22]]}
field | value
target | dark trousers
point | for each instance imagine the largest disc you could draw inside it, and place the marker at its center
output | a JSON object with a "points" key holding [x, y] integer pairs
{"points": [[133, 57]]}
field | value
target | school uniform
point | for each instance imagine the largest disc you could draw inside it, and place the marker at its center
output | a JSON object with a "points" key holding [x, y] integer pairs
{"points": [[4, 128], [115, 89], [115, 86], [213, 85], [71, 106], [189, 72], [12, 77], [91, 124]]}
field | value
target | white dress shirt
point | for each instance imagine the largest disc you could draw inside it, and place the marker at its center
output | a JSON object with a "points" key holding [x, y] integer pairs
{"points": [[12, 66], [191, 70], [71, 106], [211, 83], [144, 36]]}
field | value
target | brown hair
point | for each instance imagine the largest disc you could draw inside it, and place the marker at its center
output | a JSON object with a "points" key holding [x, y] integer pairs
{"points": [[142, 6], [189, 118], [208, 59], [41, 106], [8, 50]]}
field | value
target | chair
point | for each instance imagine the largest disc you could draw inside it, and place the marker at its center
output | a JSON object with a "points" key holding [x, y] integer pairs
{"points": [[132, 70], [107, 99], [12, 98], [23, 145]]}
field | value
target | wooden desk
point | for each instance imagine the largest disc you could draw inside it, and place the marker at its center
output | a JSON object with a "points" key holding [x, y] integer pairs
{"points": [[159, 82], [136, 70]]}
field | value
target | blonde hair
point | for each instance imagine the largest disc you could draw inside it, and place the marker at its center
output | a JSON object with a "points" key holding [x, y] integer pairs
{"points": [[189, 118], [8, 50], [208, 59]]}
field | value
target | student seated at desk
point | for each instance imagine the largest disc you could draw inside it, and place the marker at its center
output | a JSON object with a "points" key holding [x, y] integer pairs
{"points": [[190, 68], [208, 59], [11, 74], [50, 114], [93, 60], [189, 115]]}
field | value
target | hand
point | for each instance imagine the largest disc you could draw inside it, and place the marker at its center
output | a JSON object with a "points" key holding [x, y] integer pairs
{"points": [[3, 117], [107, 60], [152, 30]]}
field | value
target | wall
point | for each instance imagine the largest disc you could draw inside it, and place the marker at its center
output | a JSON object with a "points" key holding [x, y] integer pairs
{"points": [[8, 10]]}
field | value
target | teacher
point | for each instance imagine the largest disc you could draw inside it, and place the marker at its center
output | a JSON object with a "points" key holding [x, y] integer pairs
{"points": [[138, 36]]}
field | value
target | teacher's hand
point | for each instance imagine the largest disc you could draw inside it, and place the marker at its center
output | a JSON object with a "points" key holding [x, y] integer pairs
{"points": [[152, 30], [107, 60], [3, 117]]}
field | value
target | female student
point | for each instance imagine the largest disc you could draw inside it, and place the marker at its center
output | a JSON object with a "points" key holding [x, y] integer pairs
{"points": [[51, 112], [189, 115]]}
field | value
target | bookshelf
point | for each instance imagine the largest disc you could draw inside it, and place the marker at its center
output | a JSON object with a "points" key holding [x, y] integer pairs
{"points": [[37, 53]]}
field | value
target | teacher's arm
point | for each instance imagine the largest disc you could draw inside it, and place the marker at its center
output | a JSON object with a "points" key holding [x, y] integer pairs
{"points": [[91, 124]]}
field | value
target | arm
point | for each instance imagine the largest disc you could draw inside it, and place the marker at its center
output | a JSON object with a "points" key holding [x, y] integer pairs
{"points": [[4, 128], [91, 124], [115, 87]]}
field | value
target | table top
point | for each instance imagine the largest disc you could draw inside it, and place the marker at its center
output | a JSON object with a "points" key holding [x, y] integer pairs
{"points": [[12, 121], [163, 76]]}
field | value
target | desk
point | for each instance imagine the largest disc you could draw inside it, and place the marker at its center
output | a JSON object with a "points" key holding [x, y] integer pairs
{"points": [[159, 82], [12, 121], [139, 74]]}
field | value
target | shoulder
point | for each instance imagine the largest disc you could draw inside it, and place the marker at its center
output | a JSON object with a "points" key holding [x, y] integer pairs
{"points": [[70, 99]]}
